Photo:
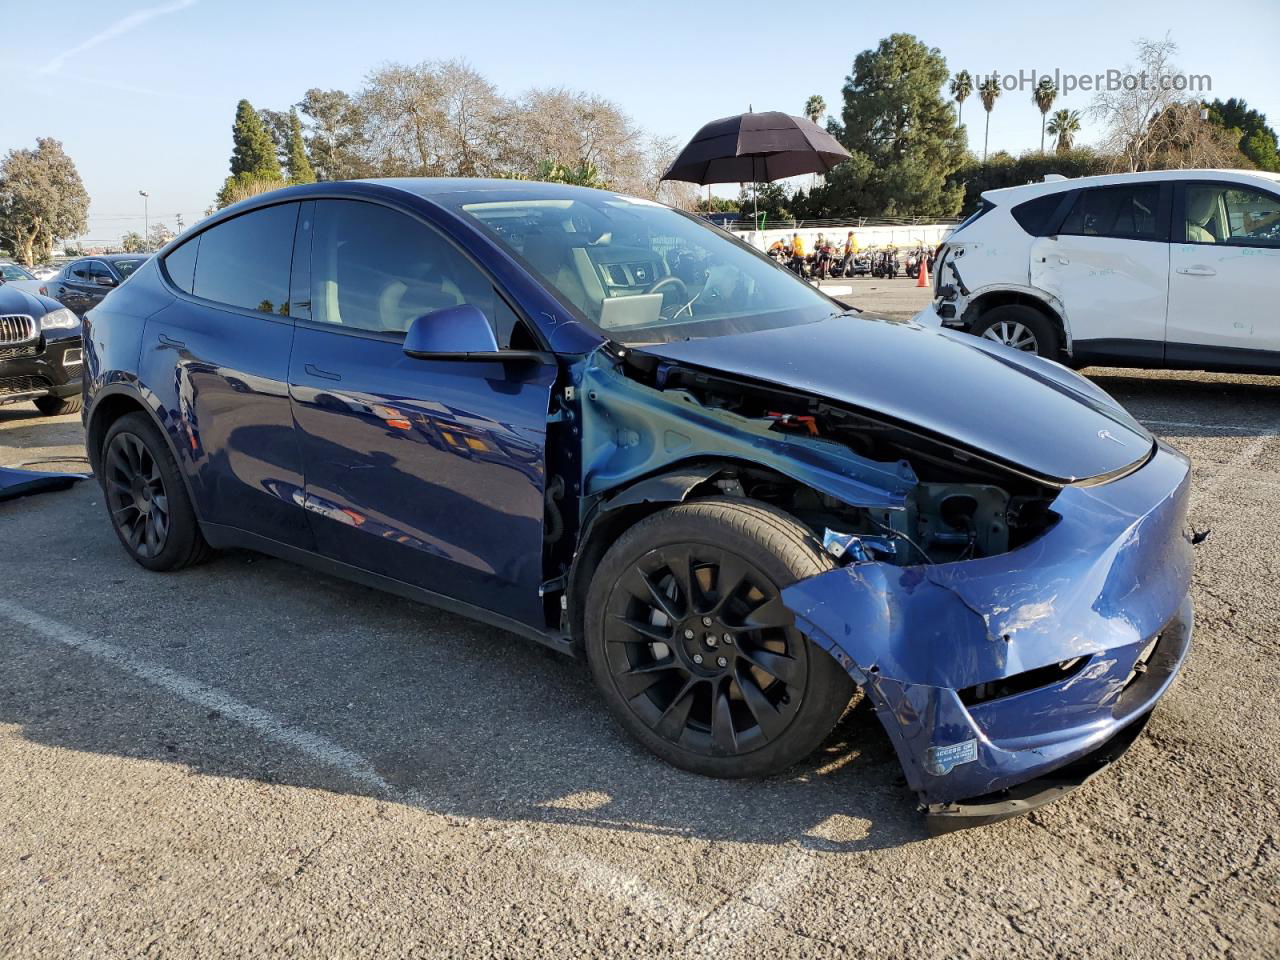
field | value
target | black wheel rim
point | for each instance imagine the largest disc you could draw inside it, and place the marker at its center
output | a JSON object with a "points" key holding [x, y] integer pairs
{"points": [[703, 652], [136, 495]]}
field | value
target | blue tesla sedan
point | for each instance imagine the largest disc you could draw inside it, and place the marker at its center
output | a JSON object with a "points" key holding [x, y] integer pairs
{"points": [[611, 427]]}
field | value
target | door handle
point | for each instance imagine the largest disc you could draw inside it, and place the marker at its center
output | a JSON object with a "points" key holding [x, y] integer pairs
{"points": [[1199, 270], [315, 371], [170, 341], [1064, 261]]}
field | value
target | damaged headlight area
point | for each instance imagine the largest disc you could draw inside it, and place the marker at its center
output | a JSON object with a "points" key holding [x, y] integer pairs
{"points": [[1011, 631]]}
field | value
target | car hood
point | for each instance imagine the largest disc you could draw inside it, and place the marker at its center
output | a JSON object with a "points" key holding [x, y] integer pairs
{"points": [[1010, 406], [17, 300]]}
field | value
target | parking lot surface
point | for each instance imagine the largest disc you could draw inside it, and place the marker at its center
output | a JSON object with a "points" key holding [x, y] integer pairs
{"points": [[248, 759]]}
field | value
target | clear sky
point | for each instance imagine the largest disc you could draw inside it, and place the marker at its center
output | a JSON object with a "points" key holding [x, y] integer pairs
{"points": [[143, 92]]}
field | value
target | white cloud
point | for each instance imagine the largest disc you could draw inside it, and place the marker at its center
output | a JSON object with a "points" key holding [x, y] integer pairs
{"points": [[119, 28]]}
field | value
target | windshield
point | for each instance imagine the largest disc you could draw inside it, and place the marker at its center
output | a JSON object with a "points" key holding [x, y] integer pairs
{"points": [[126, 267], [644, 273]]}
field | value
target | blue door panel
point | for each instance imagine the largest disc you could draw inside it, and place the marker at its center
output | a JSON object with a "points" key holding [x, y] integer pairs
{"points": [[430, 472], [221, 380]]}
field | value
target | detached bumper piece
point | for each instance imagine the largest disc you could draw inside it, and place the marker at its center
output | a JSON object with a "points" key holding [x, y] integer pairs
{"points": [[20, 483]]}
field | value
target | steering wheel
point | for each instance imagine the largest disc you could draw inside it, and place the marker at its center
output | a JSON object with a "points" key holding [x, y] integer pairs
{"points": [[671, 281]]}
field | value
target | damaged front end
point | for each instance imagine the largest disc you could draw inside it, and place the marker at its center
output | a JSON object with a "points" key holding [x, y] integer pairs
{"points": [[1012, 630]]}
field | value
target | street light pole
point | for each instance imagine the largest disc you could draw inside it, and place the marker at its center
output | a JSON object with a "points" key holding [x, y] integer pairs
{"points": [[146, 220]]}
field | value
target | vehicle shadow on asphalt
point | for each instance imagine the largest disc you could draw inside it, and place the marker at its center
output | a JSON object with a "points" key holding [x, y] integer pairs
{"points": [[455, 717]]}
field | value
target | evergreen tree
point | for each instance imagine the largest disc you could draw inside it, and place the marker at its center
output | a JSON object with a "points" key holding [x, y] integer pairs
{"points": [[254, 152], [299, 166], [902, 136]]}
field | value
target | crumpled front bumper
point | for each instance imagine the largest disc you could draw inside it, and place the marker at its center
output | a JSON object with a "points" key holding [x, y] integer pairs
{"points": [[1108, 579]]}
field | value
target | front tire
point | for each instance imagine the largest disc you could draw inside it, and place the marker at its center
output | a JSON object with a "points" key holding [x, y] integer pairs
{"points": [[147, 500], [57, 406], [696, 655], [1020, 327]]}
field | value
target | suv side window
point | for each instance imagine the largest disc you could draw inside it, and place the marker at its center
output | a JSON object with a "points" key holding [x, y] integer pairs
{"points": [[377, 269], [1038, 216], [1220, 213], [1128, 212], [244, 262], [180, 264]]}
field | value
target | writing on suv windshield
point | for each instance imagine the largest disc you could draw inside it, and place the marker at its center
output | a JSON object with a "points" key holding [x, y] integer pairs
{"points": [[644, 273]]}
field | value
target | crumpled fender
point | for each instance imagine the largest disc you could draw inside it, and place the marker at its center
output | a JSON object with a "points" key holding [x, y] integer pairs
{"points": [[1108, 576]]}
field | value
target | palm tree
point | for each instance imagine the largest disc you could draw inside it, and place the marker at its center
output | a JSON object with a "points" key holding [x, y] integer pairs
{"points": [[961, 87], [814, 108], [1043, 96], [1064, 125], [988, 91]]}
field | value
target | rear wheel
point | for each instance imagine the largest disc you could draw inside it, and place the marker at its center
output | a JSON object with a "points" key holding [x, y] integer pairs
{"points": [[150, 510], [57, 406], [693, 649], [1020, 327]]}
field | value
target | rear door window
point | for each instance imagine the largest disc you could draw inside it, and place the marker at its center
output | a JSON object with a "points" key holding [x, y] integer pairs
{"points": [[245, 262], [78, 272], [1127, 212]]}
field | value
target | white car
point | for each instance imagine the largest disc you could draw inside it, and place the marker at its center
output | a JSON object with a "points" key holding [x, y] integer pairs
{"points": [[19, 278], [1175, 268]]}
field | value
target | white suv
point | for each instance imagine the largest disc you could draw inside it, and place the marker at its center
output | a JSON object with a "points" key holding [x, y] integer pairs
{"points": [[1175, 268]]}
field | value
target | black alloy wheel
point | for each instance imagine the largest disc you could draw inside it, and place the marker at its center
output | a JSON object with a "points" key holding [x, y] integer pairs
{"points": [[693, 648], [150, 509], [136, 495]]}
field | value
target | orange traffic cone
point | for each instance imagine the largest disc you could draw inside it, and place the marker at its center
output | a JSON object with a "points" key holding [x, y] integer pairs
{"points": [[923, 279]]}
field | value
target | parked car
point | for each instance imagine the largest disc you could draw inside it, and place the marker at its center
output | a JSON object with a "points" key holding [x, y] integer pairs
{"points": [[81, 284], [1176, 268], [18, 278], [613, 428], [44, 271], [40, 352]]}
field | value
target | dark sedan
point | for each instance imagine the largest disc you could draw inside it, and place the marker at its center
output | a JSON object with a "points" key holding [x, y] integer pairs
{"points": [[81, 284], [613, 428]]}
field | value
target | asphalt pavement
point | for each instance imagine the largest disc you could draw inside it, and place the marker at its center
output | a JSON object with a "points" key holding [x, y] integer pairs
{"points": [[249, 759]]}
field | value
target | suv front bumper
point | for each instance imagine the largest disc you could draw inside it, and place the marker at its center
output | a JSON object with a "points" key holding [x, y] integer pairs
{"points": [[953, 656], [48, 368]]}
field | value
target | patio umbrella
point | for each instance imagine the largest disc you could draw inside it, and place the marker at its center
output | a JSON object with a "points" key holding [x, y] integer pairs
{"points": [[756, 147]]}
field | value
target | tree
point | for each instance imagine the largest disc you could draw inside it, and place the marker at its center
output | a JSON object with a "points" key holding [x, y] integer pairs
{"points": [[815, 108], [335, 135], [298, 166], [577, 129], [42, 199], [770, 201], [276, 123], [253, 151], [1064, 125], [1004, 170], [1180, 140], [988, 93], [132, 242], [1256, 140], [1042, 96], [159, 235], [904, 145], [961, 88], [438, 118], [1128, 111]]}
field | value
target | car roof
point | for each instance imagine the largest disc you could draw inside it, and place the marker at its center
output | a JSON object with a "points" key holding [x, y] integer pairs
{"points": [[1029, 190]]}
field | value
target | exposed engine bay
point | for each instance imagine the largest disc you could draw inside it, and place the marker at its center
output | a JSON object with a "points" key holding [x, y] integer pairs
{"points": [[957, 505]]}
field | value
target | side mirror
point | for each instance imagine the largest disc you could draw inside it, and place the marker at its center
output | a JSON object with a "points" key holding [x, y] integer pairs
{"points": [[104, 281], [461, 333]]}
